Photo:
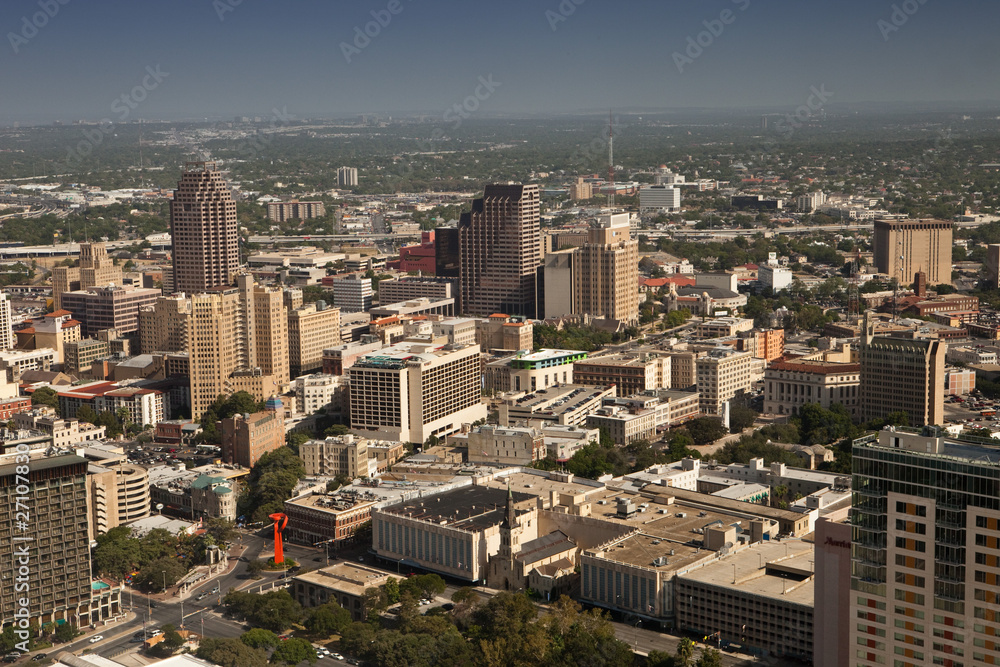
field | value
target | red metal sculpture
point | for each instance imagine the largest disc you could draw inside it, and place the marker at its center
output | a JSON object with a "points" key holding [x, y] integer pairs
{"points": [[280, 521]]}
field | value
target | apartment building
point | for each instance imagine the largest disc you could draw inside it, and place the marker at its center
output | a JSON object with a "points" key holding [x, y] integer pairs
{"points": [[502, 332], [925, 572], [311, 328], [353, 294], [95, 269], [109, 307], [720, 375], [281, 211], [631, 373], [411, 391], [345, 455], [246, 438], [531, 371]]}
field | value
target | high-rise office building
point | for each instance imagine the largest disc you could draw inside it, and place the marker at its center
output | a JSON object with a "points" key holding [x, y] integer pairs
{"points": [[412, 391], [899, 374], [720, 375], [901, 248], [203, 229], [96, 269], [55, 538], [500, 250], [925, 580], [163, 325], [607, 272], [7, 339], [280, 211], [347, 177], [311, 329], [237, 341]]}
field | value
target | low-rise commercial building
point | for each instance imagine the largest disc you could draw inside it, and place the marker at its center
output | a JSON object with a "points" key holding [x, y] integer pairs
{"points": [[788, 385], [342, 583], [328, 517], [568, 404], [630, 373], [345, 455], [532, 370]]}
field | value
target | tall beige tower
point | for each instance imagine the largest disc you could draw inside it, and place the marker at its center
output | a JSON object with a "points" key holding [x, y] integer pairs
{"points": [[204, 231], [904, 247], [96, 269], [500, 250], [606, 272], [237, 341], [163, 327], [7, 339]]}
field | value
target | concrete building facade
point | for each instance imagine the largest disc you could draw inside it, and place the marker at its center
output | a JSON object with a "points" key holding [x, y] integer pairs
{"points": [[903, 247]]}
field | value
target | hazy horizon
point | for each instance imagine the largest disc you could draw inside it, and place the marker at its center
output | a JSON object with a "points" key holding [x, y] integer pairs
{"points": [[210, 59]]}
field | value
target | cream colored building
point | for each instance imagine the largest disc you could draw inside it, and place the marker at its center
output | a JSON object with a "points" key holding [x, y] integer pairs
{"points": [[412, 391], [344, 583], [95, 270], [631, 373], [163, 326], [311, 328], [723, 327], [501, 332], [341, 455], [237, 341], [607, 272], [720, 375], [788, 385]]}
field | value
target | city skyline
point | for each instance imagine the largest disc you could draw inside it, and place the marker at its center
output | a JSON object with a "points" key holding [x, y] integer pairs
{"points": [[72, 61]]}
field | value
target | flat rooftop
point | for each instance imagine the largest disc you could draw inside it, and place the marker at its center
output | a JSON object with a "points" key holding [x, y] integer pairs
{"points": [[564, 398], [473, 508], [541, 486], [786, 574], [350, 578]]}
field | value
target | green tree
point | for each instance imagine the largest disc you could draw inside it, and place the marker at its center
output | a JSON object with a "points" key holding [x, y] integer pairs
{"points": [[685, 651], [64, 633], [260, 638], [295, 439], [710, 657], [660, 659], [293, 651], [230, 652], [740, 417], [254, 568], [46, 396], [423, 585], [270, 484], [152, 576], [336, 430], [328, 619], [222, 530], [392, 592], [705, 430]]}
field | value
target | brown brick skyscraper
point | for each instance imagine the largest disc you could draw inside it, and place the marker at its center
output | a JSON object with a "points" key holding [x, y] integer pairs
{"points": [[500, 250], [203, 227]]}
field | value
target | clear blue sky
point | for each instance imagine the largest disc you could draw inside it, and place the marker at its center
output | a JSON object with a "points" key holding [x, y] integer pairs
{"points": [[267, 54]]}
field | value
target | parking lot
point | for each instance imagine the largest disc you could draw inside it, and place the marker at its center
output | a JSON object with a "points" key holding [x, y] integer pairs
{"points": [[970, 410]]}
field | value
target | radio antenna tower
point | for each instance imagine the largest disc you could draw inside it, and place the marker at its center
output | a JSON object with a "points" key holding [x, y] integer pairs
{"points": [[611, 160]]}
